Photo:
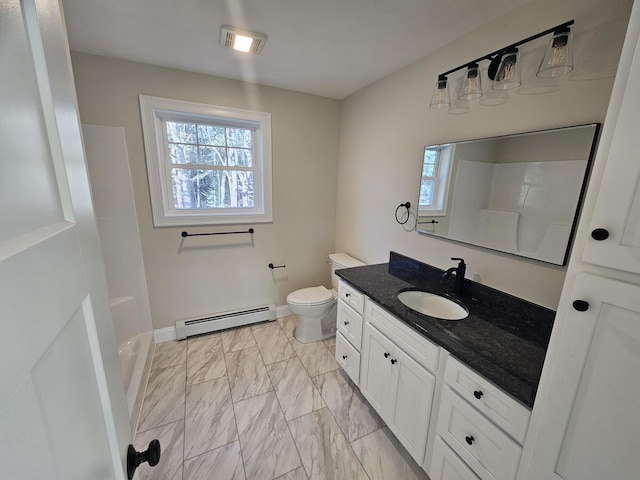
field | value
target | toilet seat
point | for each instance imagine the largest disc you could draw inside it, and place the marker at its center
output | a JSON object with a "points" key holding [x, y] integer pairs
{"points": [[312, 296]]}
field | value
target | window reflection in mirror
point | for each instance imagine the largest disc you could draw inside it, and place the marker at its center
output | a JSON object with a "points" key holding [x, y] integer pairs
{"points": [[518, 194], [436, 164]]}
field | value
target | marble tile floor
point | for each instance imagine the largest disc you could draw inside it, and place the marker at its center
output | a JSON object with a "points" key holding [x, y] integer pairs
{"points": [[253, 403]]}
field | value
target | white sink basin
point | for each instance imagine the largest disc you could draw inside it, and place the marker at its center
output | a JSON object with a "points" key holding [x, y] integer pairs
{"points": [[433, 305]]}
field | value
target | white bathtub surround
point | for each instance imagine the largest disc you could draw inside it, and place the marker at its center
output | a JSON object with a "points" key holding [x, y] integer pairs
{"points": [[135, 351], [112, 193]]}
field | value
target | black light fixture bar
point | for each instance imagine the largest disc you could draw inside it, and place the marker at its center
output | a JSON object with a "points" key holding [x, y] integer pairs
{"points": [[491, 55]]}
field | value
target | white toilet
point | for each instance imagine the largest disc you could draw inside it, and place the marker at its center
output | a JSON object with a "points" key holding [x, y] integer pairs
{"points": [[316, 306]]}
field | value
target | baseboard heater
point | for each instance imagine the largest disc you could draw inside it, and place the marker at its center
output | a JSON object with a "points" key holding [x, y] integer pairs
{"points": [[212, 323]]}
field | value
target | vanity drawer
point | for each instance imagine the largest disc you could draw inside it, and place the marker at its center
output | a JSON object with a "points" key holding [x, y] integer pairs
{"points": [[351, 296], [499, 407], [350, 324], [490, 453], [348, 358], [446, 465], [415, 345]]}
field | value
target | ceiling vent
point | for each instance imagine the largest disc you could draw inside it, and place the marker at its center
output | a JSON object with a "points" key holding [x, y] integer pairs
{"points": [[242, 40]]}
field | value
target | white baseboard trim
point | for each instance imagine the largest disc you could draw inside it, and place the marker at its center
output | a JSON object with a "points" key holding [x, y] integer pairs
{"points": [[164, 334], [283, 311]]}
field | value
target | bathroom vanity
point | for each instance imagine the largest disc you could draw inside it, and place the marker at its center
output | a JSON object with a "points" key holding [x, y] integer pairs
{"points": [[456, 393]]}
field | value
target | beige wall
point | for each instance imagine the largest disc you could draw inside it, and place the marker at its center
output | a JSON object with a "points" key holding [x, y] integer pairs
{"points": [[205, 275], [385, 126]]}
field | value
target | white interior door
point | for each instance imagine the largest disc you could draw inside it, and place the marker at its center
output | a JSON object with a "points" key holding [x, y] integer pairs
{"points": [[61, 414]]}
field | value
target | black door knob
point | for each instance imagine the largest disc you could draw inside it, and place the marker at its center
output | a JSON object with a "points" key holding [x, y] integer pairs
{"points": [[469, 439], [581, 305], [393, 361], [478, 394], [600, 234], [150, 455]]}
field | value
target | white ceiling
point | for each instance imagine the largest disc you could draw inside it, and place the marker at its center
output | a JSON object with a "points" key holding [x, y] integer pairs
{"points": [[325, 47]]}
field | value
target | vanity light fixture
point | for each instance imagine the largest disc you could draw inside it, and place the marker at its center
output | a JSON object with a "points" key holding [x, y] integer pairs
{"points": [[472, 84], [504, 69], [242, 40], [440, 97], [507, 75], [558, 59]]}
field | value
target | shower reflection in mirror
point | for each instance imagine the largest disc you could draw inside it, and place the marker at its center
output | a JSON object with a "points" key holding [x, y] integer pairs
{"points": [[518, 194]]}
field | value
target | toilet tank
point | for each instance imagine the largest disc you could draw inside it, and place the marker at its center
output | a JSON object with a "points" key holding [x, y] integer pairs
{"points": [[338, 261]]}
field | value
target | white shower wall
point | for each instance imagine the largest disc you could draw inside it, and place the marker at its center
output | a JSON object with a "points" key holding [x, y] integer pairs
{"points": [[118, 229]]}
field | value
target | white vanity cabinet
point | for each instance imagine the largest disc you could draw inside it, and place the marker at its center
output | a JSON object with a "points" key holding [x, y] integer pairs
{"points": [[395, 382], [614, 239], [349, 330], [590, 423], [480, 428], [474, 430]]}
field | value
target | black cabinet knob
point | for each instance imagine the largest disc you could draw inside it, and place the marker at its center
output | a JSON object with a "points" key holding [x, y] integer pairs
{"points": [[150, 455], [600, 234], [346, 323], [386, 355], [344, 357], [393, 361], [581, 305], [469, 439], [478, 394], [347, 294]]}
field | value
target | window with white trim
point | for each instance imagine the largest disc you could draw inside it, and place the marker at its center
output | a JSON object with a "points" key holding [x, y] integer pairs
{"points": [[435, 180], [207, 164]]}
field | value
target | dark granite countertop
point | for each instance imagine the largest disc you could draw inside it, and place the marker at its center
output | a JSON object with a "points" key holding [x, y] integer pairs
{"points": [[504, 338]]}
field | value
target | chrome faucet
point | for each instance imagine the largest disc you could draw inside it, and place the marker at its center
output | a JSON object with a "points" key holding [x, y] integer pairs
{"points": [[459, 272]]}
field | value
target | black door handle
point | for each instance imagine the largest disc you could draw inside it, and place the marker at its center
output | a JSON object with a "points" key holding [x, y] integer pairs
{"points": [[151, 455]]}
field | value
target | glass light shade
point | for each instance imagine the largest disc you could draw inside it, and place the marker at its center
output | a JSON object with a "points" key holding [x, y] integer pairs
{"points": [[458, 106], [440, 97], [471, 84], [558, 58], [508, 74]]}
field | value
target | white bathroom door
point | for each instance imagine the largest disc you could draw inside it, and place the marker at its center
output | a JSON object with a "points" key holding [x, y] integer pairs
{"points": [[59, 418]]}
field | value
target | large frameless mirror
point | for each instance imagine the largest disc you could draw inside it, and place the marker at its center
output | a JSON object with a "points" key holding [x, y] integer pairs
{"points": [[518, 194]]}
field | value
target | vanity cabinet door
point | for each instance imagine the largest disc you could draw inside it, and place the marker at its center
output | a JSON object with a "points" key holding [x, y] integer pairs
{"points": [[376, 369], [590, 422], [398, 388], [615, 226], [411, 391]]}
